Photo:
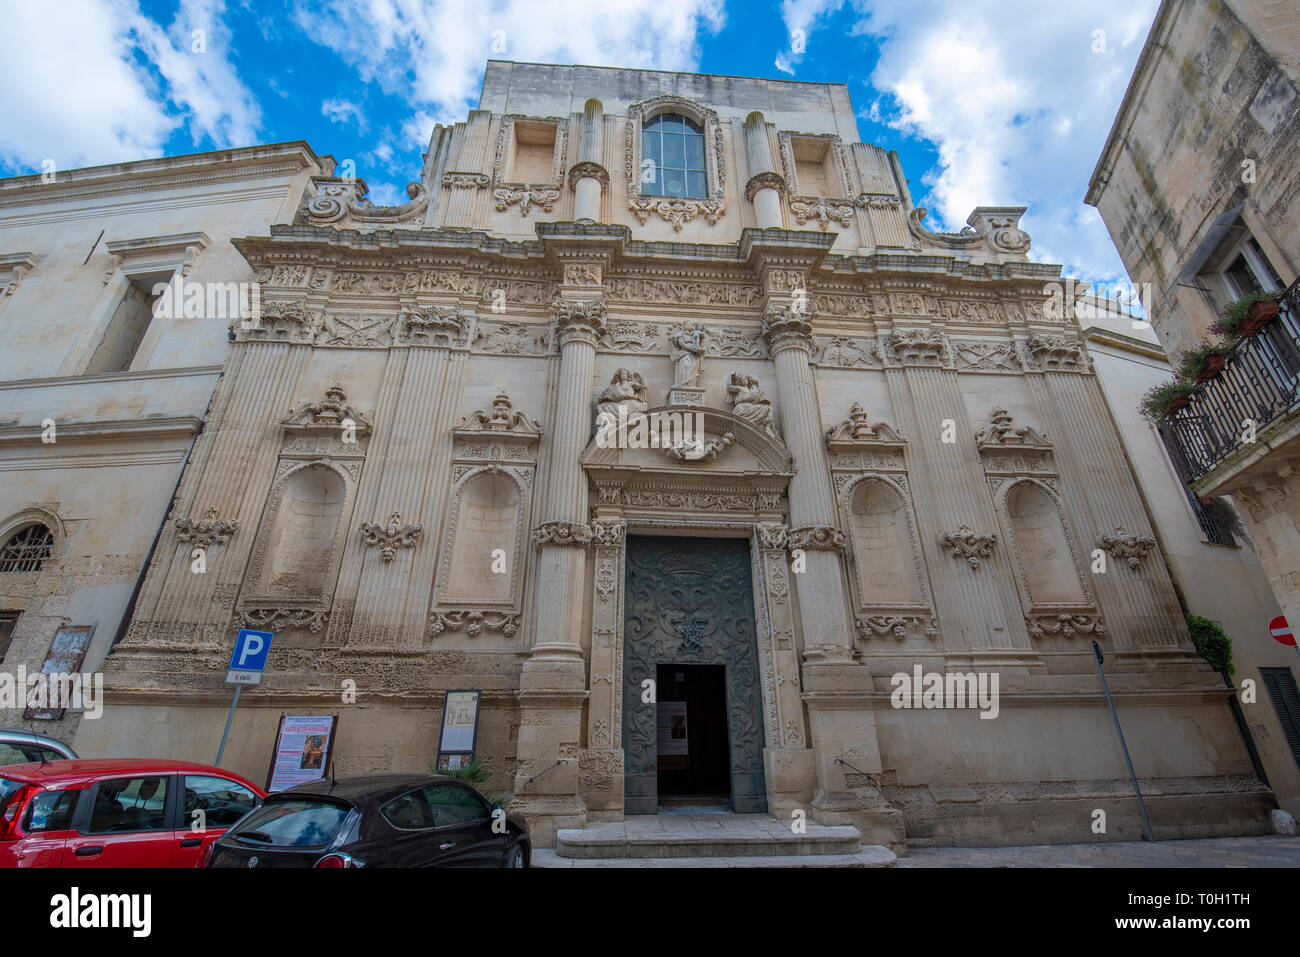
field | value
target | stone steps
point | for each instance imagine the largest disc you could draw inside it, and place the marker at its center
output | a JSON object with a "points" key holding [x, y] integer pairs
{"points": [[706, 838], [869, 856]]}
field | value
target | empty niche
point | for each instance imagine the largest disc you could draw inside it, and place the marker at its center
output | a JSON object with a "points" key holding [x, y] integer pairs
{"points": [[1042, 546], [302, 539], [883, 545], [486, 518]]}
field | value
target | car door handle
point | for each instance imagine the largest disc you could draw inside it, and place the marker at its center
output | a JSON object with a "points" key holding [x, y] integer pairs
{"points": [[89, 851], [192, 842], [446, 844]]}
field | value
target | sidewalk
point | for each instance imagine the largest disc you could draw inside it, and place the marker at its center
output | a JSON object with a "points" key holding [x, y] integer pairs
{"points": [[1271, 851]]}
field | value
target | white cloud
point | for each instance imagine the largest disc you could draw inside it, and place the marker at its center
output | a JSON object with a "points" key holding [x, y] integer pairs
{"points": [[799, 17], [432, 54], [81, 94], [1016, 103], [341, 111]]}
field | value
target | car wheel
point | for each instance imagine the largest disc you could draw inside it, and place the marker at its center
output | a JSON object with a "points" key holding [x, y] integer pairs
{"points": [[516, 857]]}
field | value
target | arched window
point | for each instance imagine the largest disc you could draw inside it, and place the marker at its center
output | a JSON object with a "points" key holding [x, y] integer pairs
{"points": [[883, 548], [1044, 551], [674, 145], [487, 519], [302, 541], [27, 549]]}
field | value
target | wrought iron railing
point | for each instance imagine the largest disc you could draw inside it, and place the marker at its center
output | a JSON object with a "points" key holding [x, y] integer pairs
{"points": [[1259, 383]]}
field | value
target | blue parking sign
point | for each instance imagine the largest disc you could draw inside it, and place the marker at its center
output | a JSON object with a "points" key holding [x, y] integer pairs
{"points": [[251, 649]]}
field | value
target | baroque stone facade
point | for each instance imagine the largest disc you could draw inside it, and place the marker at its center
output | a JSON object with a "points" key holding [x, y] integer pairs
{"points": [[864, 416]]}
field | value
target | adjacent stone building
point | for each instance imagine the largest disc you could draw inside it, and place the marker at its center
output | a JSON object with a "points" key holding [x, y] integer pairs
{"points": [[1198, 185], [885, 454], [101, 399]]}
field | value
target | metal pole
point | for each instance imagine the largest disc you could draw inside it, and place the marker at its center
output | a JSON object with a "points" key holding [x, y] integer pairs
{"points": [[230, 717], [1146, 824]]}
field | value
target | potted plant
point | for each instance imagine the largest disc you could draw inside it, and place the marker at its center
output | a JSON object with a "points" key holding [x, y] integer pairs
{"points": [[1166, 398], [1247, 316], [1204, 361]]}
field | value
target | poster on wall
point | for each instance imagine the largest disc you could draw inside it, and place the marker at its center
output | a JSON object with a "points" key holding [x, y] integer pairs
{"points": [[671, 727], [303, 748], [49, 699], [459, 730]]}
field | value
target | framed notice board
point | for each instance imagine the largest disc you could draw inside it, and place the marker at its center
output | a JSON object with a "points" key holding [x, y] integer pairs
{"points": [[459, 729], [304, 747]]}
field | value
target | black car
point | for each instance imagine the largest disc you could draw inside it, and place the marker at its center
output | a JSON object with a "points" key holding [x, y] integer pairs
{"points": [[375, 820]]}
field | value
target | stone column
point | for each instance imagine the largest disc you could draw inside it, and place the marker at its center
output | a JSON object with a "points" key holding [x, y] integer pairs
{"points": [[552, 682], [765, 184], [837, 690], [588, 178], [827, 630]]}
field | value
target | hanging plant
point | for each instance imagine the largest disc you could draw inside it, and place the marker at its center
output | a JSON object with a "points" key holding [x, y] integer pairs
{"points": [[1246, 316], [1166, 398], [1204, 361], [1212, 643]]}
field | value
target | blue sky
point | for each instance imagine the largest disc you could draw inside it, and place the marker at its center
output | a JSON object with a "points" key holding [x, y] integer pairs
{"points": [[988, 102]]}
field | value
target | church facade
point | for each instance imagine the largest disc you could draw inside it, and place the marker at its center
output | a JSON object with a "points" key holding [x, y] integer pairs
{"points": [[659, 416]]}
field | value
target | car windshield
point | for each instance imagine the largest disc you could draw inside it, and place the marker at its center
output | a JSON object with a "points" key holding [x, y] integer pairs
{"points": [[292, 823]]}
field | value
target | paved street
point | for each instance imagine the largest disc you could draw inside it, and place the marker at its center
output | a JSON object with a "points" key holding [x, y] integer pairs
{"points": [[1272, 851]]}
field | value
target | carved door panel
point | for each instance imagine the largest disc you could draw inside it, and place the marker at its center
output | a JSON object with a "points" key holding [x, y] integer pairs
{"points": [[690, 601]]}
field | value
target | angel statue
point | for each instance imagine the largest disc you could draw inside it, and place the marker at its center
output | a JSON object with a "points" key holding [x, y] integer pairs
{"points": [[749, 402], [626, 390], [688, 354]]}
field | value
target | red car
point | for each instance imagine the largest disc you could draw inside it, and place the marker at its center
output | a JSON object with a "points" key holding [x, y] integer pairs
{"points": [[117, 812]]}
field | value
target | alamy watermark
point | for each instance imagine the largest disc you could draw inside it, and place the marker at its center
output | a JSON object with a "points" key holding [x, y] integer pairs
{"points": [[948, 690], [53, 691], [181, 299]]}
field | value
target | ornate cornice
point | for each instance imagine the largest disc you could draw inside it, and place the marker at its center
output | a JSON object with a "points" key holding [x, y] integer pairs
{"points": [[972, 546], [391, 536]]}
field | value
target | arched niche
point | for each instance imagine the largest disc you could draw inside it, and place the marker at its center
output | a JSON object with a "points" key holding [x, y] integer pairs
{"points": [[302, 535], [884, 551], [1042, 547], [487, 513]]}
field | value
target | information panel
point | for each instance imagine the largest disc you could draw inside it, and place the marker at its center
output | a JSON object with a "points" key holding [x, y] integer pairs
{"points": [[303, 748]]}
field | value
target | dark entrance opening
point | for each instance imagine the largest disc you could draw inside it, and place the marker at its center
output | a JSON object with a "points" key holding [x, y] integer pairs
{"points": [[691, 735]]}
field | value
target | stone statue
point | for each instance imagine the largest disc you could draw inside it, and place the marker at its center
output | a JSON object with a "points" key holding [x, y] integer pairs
{"points": [[688, 354], [749, 402], [626, 390]]}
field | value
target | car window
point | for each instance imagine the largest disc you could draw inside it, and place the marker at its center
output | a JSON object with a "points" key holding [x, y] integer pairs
{"points": [[8, 786], [454, 805], [292, 823], [130, 804], [13, 754], [223, 802], [50, 811], [409, 812]]}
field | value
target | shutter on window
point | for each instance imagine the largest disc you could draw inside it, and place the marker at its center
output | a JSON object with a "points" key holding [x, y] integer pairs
{"points": [[1286, 701]]}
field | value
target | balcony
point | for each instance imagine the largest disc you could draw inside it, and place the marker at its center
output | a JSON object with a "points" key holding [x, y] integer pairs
{"points": [[1247, 410]]}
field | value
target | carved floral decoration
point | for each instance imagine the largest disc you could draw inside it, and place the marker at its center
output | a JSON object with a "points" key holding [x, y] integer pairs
{"points": [[1127, 545], [207, 531], [390, 536], [972, 546]]}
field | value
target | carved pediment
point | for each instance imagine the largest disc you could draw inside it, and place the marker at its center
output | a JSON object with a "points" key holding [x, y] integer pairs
{"points": [[858, 432], [1008, 450], [503, 419], [328, 420]]}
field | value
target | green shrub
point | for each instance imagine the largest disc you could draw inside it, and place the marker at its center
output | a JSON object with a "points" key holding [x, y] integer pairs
{"points": [[1236, 313], [1194, 360], [1212, 642], [473, 774], [1158, 399]]}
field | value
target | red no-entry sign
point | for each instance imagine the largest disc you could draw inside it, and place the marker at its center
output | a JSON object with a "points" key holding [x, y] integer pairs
{"points": [[1281, 630]]}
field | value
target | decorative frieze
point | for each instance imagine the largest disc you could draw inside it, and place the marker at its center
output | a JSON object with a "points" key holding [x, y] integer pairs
{"points": [[513, 339], [526, 197], [313, 620], [472, 622], [823, 211], [466, 180], [847, 353], [1056, 354], [736, 343], [562, 533], [919, 347], [1127, 545], [684, 292], [986, 357], [972, 546], [432, 325], [1065, 625], [895, 626], [678, 212], [207, 531], [390, 536], [821, 538]]}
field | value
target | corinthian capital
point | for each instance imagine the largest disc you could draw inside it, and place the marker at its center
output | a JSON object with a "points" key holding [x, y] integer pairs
{"points": [[788, 326], [580, 318]]}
